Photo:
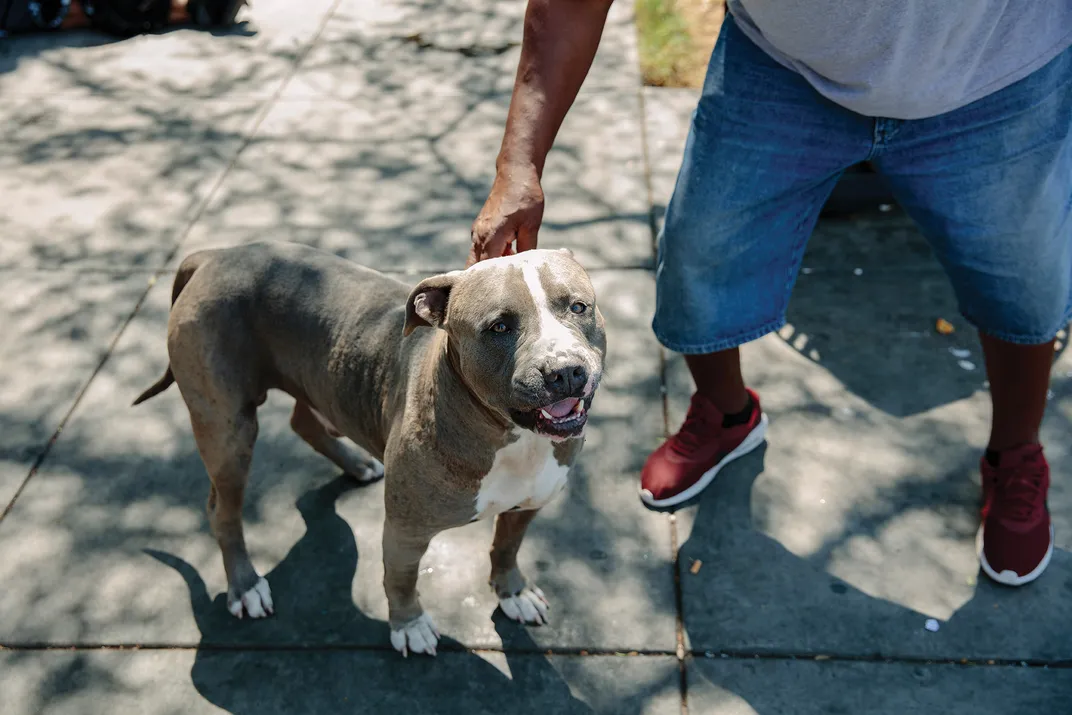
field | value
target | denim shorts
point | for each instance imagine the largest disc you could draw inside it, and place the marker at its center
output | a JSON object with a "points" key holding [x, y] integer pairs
{"points": [[989, 184]]}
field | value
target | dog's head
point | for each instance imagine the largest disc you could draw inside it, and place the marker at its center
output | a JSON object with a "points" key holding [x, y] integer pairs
{"points": [[525, 333]]}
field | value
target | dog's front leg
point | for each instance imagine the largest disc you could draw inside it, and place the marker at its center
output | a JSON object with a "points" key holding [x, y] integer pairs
{"points": [[412, 630], [518, 599]]}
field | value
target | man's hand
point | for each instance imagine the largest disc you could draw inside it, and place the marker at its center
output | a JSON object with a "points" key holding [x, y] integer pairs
{"points": [[559, 43], [511, 216]]}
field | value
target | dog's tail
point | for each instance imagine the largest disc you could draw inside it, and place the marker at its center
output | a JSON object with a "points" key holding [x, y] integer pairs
{"points": [[186, 271], [159, 386]]}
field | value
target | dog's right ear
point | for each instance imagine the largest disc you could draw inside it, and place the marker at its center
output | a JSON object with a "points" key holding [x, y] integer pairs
{"points": [[427, 304]]}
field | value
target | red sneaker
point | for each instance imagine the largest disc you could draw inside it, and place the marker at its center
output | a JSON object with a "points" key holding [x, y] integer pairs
{"points": [[687, 462], [1016, 535]]}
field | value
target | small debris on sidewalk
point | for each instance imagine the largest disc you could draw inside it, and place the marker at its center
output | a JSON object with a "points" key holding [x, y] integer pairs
{"points": [[1050, 394], [696, 566], [966, 365], [960, 353], [806, 271], [858, 271], [931, 625], [944, 327], [844, 413]]}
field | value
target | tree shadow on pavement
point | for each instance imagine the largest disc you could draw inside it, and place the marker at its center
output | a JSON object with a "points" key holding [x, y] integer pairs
{"points": [[238, 669], [755, 598]]}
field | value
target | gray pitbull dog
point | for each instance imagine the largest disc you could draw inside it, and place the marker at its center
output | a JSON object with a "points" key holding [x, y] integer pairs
{"points": [[481, 418]]}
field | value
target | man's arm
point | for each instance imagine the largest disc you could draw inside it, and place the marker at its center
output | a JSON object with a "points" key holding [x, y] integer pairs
{"points": [[559, 44]]}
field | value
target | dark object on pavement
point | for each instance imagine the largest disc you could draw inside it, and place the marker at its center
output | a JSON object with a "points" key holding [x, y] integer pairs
{"points": [[127, 17], [214, 13], [32, 15], [860, 190]]}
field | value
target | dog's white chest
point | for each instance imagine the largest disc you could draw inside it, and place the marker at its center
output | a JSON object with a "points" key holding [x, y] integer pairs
{"points": [[525, 475]]}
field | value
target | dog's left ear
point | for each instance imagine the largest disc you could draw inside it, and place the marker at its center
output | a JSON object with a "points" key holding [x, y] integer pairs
{"points": [[427, 304]]}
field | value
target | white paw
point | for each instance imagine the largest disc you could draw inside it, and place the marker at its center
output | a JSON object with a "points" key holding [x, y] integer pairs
{"points": [[257, 602], [373, 471], [418, 636], [529, 606]]}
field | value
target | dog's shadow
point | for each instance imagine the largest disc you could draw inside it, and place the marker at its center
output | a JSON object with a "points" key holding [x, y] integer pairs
{"points": [[315, 655]]}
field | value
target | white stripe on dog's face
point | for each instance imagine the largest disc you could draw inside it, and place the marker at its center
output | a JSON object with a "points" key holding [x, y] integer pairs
{"points": [[552, 334]]}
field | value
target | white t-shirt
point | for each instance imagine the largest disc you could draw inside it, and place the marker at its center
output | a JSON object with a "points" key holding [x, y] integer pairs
{"points": [[908, 59]]}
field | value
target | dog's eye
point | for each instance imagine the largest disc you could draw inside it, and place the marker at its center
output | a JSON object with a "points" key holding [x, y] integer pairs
{"points": [[500, 327], [578, 308]]}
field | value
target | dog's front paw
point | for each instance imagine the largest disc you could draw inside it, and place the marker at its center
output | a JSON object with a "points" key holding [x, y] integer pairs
{"points": [[528, 606], [257, 602], [418, 636]]}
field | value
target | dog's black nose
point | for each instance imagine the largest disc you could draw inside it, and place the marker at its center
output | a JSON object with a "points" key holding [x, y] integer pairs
{"points": [[565, 381]]}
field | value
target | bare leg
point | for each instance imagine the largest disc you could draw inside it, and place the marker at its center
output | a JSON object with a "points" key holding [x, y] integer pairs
{"points": [[718, 378], [411, 628], [349, 458], [519, 600], [1019, 380]]}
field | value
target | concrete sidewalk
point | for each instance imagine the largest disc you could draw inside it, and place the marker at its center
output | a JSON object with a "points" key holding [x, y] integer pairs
{"points": [[799, 583]]}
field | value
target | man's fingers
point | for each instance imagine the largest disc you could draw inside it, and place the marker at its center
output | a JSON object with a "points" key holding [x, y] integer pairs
{"points": [[526, 239], [506, 241], [489, 245]]}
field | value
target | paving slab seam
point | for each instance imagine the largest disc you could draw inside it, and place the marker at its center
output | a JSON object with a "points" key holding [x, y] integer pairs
{"points": [[653, 227], [1064, 664], [679, 609], [1041, 664], [74, 267], [653, 221], [255, 126], [324, 648], [77, 400]]}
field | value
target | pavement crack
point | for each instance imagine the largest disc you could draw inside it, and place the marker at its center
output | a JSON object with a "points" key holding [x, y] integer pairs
{"points": [[588, 652], [43, 455], [679, 616]]}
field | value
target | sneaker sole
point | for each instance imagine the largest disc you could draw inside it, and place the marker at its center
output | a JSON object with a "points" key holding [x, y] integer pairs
{"points": [[753, 440], [1009, 577]]}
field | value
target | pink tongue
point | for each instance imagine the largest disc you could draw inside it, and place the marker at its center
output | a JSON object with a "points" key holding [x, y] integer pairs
{"points": [[563, 407]]}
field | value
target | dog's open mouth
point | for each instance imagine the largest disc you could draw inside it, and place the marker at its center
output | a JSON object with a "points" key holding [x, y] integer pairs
{"points": [[563, 419]]}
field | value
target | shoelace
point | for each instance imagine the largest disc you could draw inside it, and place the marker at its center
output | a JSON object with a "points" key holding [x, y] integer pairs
{"points": [[695, 432], [1021, 488]]}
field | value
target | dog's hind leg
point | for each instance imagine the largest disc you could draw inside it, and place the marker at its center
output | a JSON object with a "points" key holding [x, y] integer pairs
{"points": [[225, 441], [349, 458]]}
